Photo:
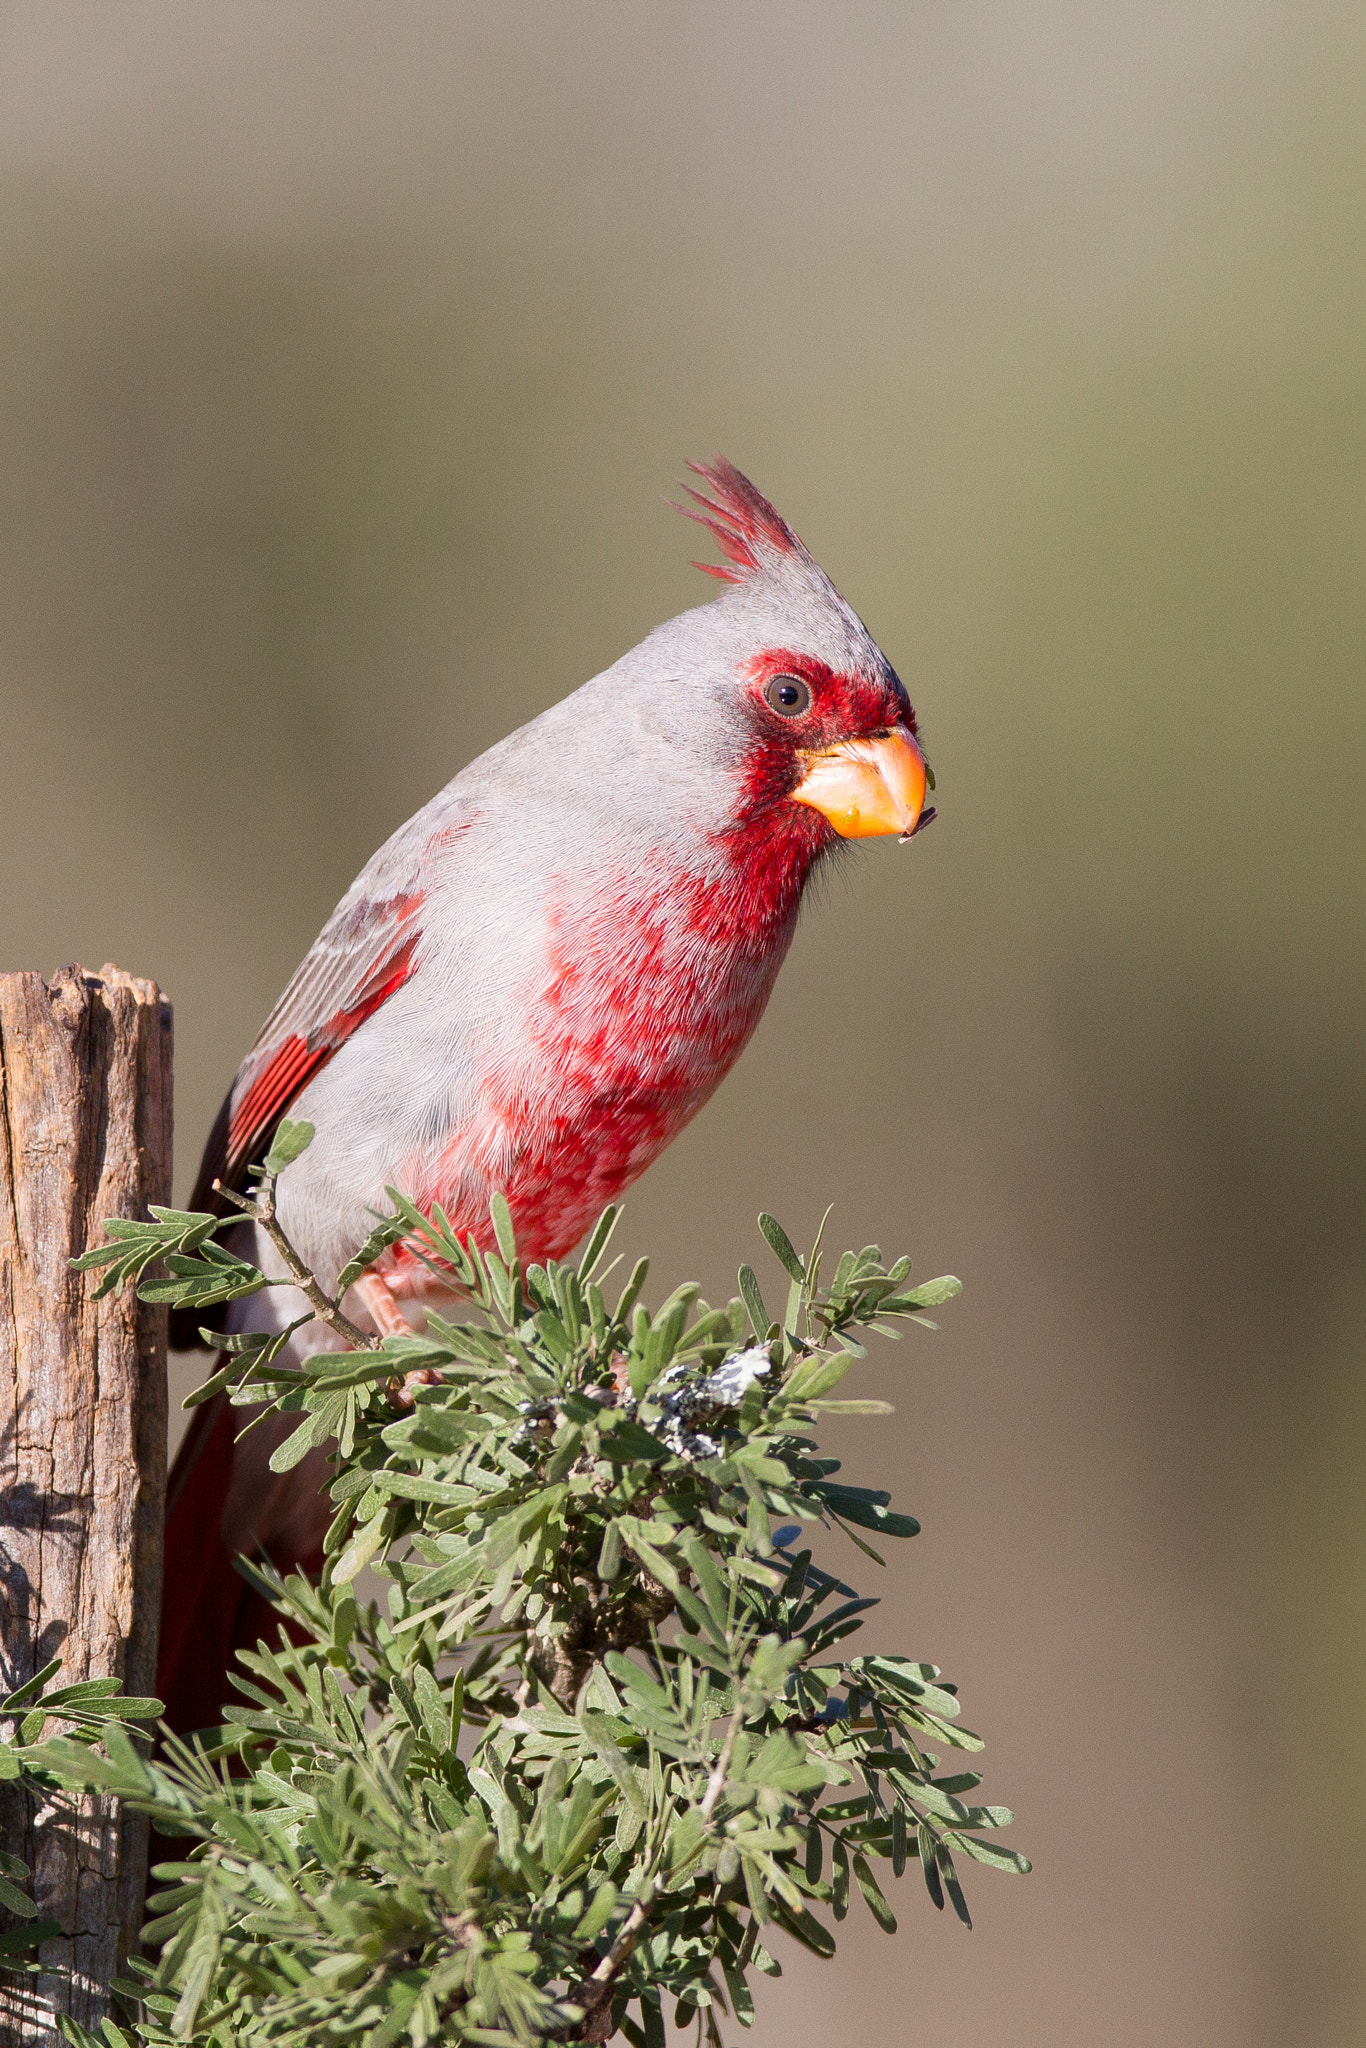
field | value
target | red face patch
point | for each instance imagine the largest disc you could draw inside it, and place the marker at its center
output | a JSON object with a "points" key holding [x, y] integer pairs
{"points": [[832, 705]]}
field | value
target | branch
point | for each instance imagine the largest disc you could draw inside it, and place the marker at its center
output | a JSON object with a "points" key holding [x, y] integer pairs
{"points": [[595, 1989], [716, 1783], [261, 1209]]}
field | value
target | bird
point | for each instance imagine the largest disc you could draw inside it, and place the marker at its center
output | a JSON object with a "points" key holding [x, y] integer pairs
{"points": [[530, 989]]}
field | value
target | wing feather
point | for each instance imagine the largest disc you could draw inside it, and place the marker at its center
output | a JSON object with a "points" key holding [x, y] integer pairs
{"points": [[364, 952]]}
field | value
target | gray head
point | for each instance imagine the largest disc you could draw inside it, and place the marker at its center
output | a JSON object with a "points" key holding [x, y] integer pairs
{"points": [[770, 714]]}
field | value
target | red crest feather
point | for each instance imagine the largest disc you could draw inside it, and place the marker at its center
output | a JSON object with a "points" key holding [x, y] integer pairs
{"points": [[741, 519]]}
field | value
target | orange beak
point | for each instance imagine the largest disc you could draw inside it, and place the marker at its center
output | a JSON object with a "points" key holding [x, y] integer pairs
{"points": [[867, 788]]}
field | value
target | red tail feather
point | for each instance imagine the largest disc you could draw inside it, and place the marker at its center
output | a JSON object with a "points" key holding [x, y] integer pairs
{"points": [[209, 1612]]}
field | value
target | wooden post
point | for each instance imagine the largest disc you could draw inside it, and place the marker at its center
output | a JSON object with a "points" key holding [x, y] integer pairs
{"points": [[85, 1133]]}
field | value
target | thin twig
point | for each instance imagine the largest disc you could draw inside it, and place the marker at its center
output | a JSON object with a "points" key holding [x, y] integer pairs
{"points": [[261, 1209], [716, 1783], [595, 1989]]}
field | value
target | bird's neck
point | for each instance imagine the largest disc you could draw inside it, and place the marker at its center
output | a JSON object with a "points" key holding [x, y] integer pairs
{"points": [[765, 861]]}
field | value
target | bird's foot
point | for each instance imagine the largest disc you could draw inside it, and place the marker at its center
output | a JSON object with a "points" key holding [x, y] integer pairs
{"points": [[372, 1291], [390, 1321], [402, 1392]]}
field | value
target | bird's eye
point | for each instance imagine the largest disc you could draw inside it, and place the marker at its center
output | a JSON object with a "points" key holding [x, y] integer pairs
{"points": [[789, 696]]}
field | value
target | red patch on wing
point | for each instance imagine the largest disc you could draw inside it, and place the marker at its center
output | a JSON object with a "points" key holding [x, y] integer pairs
{"points": [[298, 1059], [268, 1097]]}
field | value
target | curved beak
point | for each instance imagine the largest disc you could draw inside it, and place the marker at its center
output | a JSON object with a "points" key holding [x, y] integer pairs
{"points": [[867, 788]]}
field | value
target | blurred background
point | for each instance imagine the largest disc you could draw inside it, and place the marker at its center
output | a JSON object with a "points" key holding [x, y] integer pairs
{"points": [[347, 354]]}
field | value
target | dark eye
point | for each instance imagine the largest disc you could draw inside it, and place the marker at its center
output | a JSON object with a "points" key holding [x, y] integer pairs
{"points": [[788, 696]]}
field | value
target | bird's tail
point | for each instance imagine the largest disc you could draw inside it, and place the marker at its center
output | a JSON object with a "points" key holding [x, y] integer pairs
{"points": [[209, 1611]]}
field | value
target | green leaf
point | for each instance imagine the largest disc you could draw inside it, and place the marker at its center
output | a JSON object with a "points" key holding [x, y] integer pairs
{"points": [[200, 1283], [15, 1901], [601, 1907], [936, 1801], [289, 1141], [386, 1233], [214, 1384], [436, 1715], [364, 1545], [297, 1446], [813, 1377], [686, 1837], [133, 1772], [754, 1302], [21, 1941], [31, 1687], [951, 1884], [81, 1694], [702, 1617], [781, 1244], [598, 1239], [741, 2002], [626, 1443], [609, 1554], [807, 1929], [131, 1709], [929, 1864], [502, 1227], [928, 1295], [505, 1538], [564, 1457], [407, 1486], [704, 1567], [988, 1852], [200, 1962], [782, 1763], [631, 1292], [840, 1883], [847, 1503], [553, 1336], [852, 1407], [652, 2018], [877, 1904]]}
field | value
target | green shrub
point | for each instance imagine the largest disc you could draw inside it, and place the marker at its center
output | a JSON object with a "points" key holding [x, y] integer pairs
{"points": [[605, 1731]]}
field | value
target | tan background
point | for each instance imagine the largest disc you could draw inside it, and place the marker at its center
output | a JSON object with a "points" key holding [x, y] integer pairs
{"points": [[346, 354]]}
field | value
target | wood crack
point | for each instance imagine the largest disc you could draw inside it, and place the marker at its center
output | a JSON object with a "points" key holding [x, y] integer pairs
{"points": [[84, 1135]]}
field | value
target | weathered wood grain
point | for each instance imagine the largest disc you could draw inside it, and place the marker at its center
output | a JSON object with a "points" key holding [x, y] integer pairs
{"points": [[85, 1133]]}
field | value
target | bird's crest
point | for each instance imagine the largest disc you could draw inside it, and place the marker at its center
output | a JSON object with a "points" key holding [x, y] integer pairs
{"points": [[745, 525]]}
